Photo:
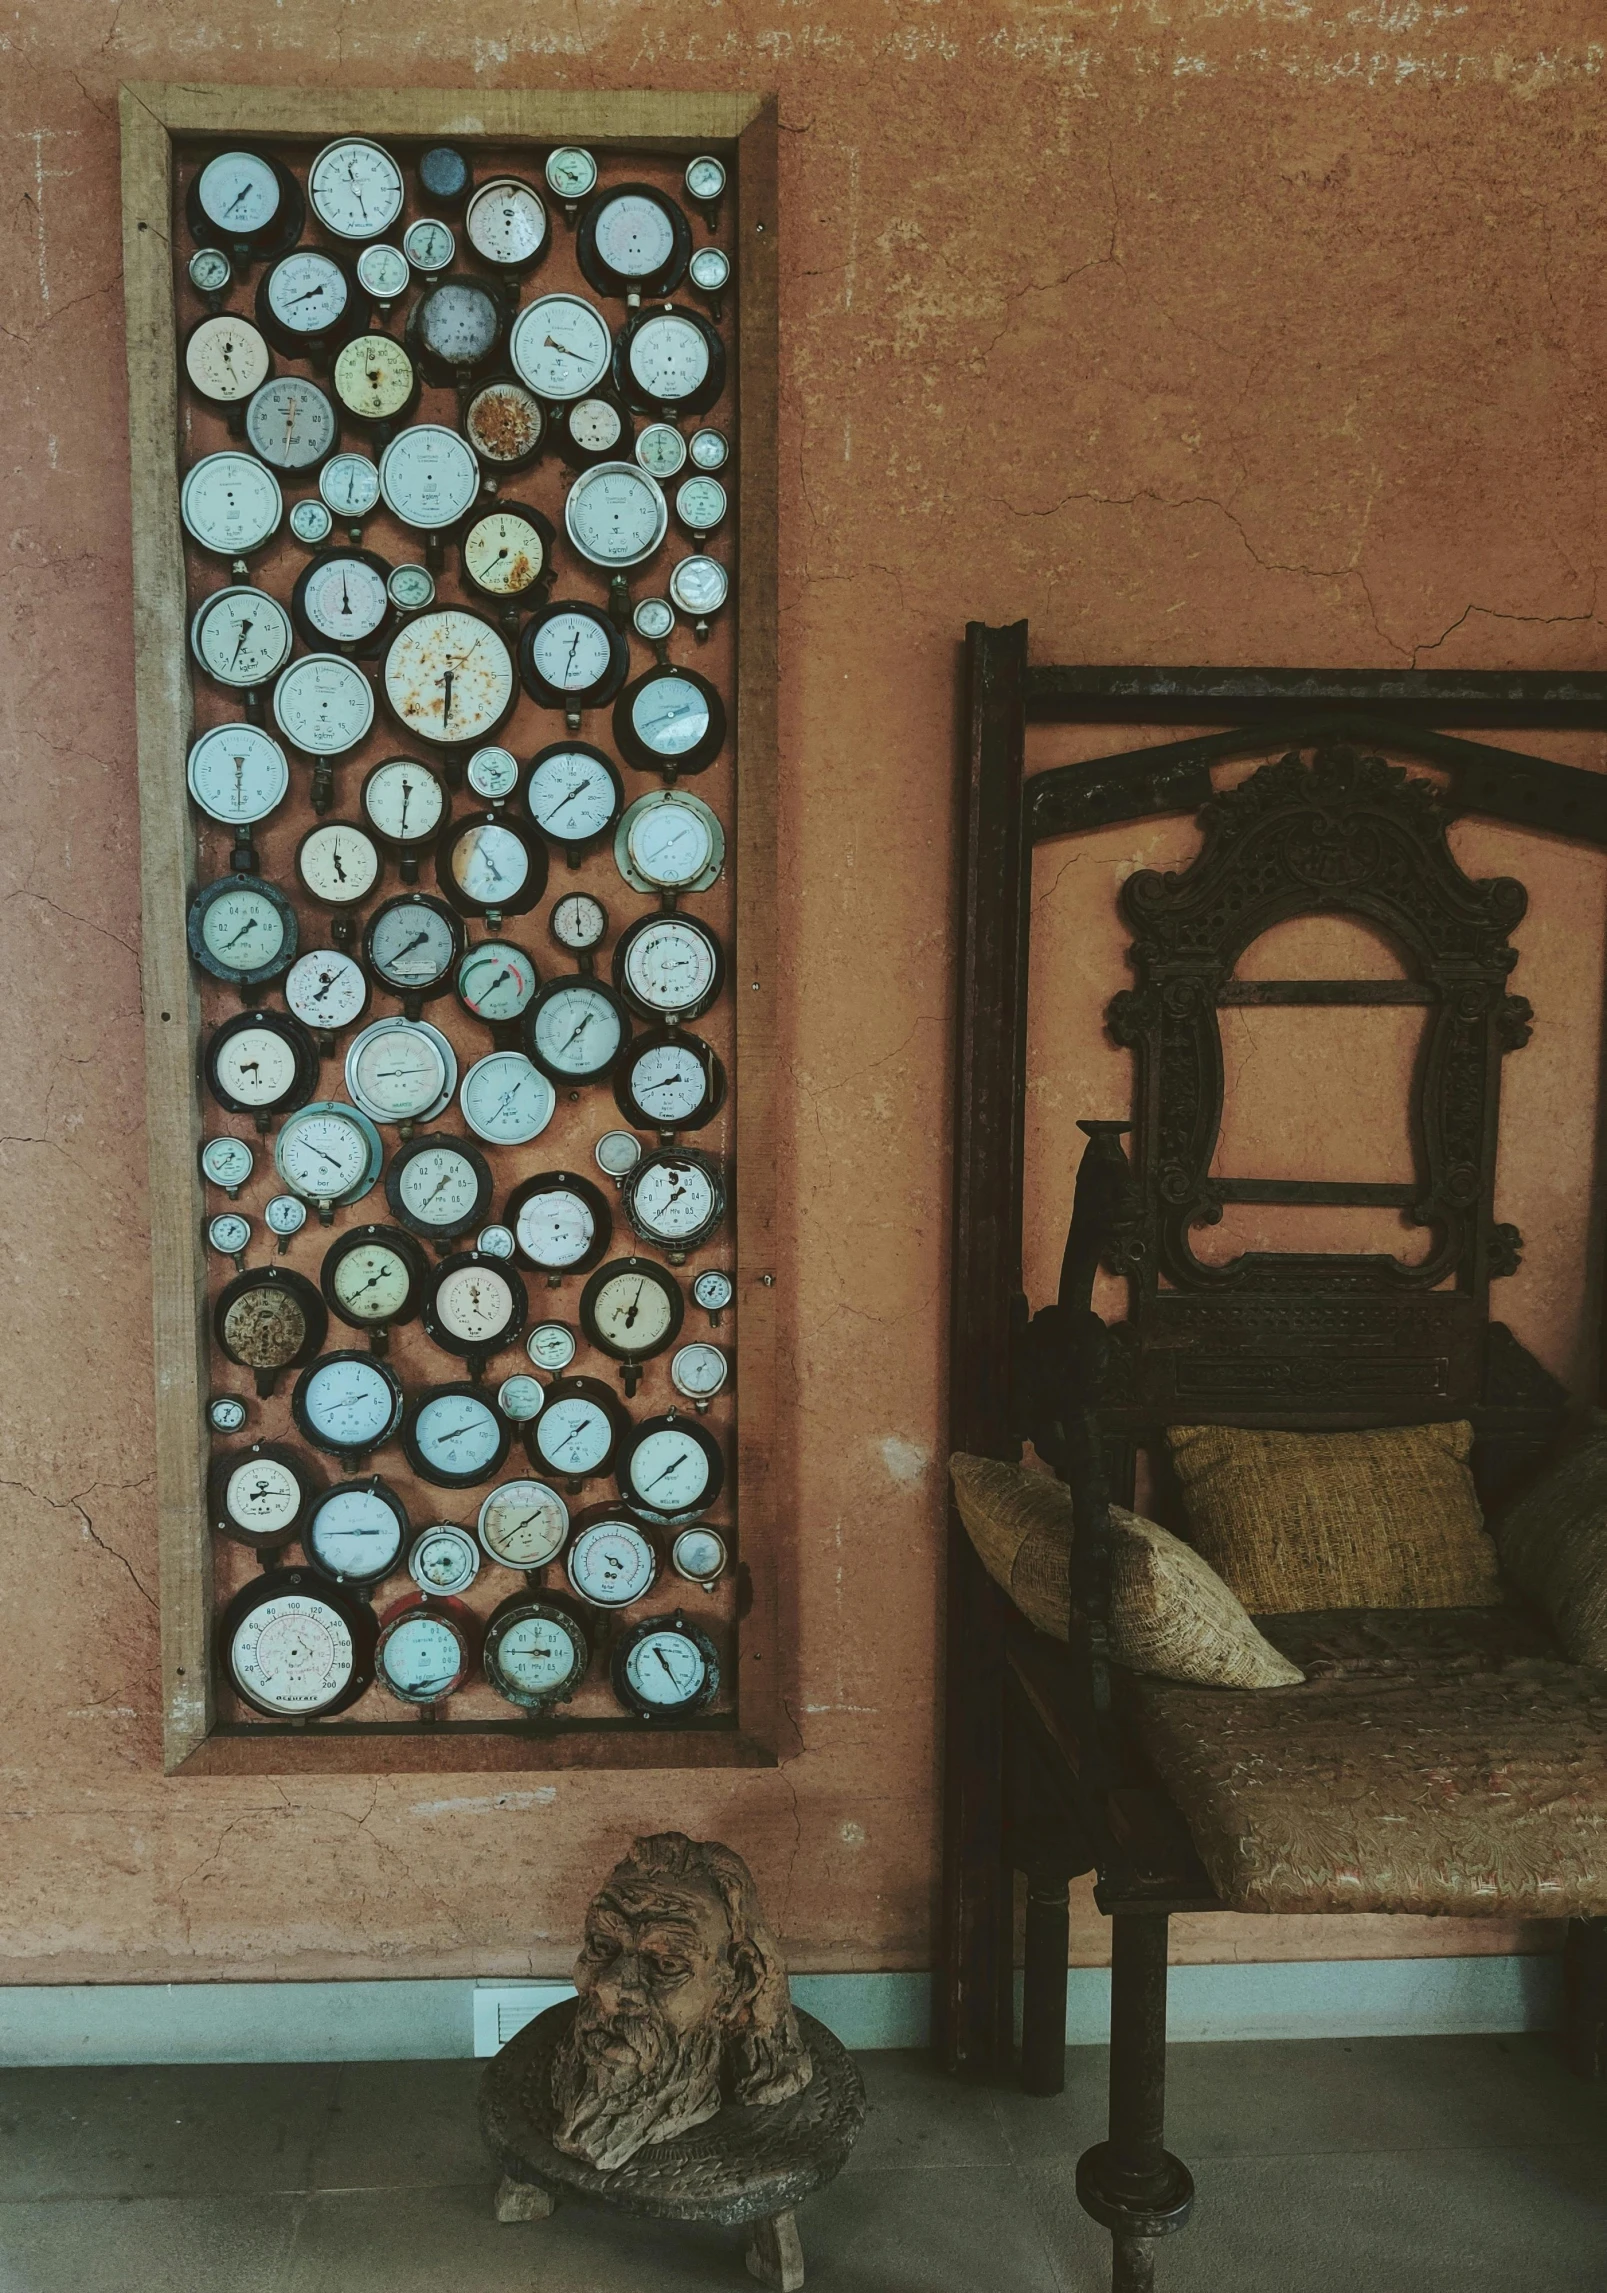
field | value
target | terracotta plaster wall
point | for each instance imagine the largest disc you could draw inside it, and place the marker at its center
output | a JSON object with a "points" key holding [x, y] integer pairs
{"points": [[1193, 329]]}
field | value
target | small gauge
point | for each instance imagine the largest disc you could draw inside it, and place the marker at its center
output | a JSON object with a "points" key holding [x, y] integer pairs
{"points": [[242, 930], [507, 1100], [430, 245], [357, 1532], [669, 1081], [633, 241], [245, 201], [653, 618], [669, 362], [211, 272], [495, 1242], [412, 945], [488, 865], [579, 1430], [700, 505], [410, 588], [474, 1307], [493, 773], [578, 922], [705, 178], [374, 379], [295, 1652], [671, 1467], [611, 1562], [443, 1559], [700, 585], [326, 990], [592, 430], [671, 720], [230, 504], [227, 1162], [268, 1320], [617, 1153], [342, 598], [285, 1215], [713, 1291], [237, 774], [323, 704], [570, 173], [507, 552], [710, 270], [310, 521], [427, 477], [348, 484], [309, 298], [504, 423], [495, 982], [520, 1398], [373, 1277], [575, 1029], [631, 1309], [699, 1555], [551, 1346], [226, 1413], [661, 450], [259, 1496], [347, 1403], [241, 637], [561, 347], [535, 1653], [449, 678], [524, 1524], [615, 515], [709, 449], [229, 1234], [404, 802], [456, 328], [261, 1063], [328, 1153], [439, 1187], [291, 424], [571, 657], [401, 1071], [426, 1649], [506, 224], [355, 187], [670, 842], [675, 1199], [669, 967], [560, 1222], [453, 1437], [666, 1669], [700, 1371], [382, 271], [573, 794], [226, 358], [337, 863]]}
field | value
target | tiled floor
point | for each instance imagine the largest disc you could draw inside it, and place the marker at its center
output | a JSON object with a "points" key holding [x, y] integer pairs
{"points": [[1452, 2165]]}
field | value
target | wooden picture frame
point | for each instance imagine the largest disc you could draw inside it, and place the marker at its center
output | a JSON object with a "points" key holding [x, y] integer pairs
{"points": [[741, 128]]}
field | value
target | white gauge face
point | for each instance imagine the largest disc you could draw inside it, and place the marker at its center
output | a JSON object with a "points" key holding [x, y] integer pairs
{"points": [[507, 1101], [293, 1653], [355, 188], [634, 1310], [496, 981], [595, 425], [493, 773], [310, 520], [242, 637], [661, 449], [325, 1155], [653, 618], [237, 774], [700, 505], [344, 599], [338, 864], [429, 245], [523, 1524], [262, 1495], [578, 1031], [411, 587], [374, 377], [635, 235], [290, 423], [570, 173], [611, 1564], [672, 966], [574, 1435], [555, 1228], [570, 651], [504, 553], [458, 1434], [700, 585], [561, 347], [285, 1215], [421, 1659], [551, 1346], [712, 1290], [709, 450], [669, 714], [227, 1162], [210, 271], [231, 504], [372, 1281], [699, 1370], [458, 323], [579, 921], [326, 989], [710, 268], [506, 222], [536, 1656], [572, 795], [666, 1668], [705, 177], [617, 1153], [615, 514], [307, 292], [474, 1304], [229, 1233], [668, 1084], [382, 272], [504, 423], [674, 1198], [495, 1242], [355, 1533], [670, 841], [670, 1472], [256, 1066], [349, 1404], [349, 485], [226, 358], [243, 928], [444, 1560], [449, 677], [323, 704], [428, 476], [669, 358], [440, 1187], [226, 1415], [239, 193], [401, 1070], [488, 863], [520, 1398], [404, 800]]}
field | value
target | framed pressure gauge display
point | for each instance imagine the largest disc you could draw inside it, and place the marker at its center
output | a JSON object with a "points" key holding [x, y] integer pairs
{"points": [[227, 359], [675, 1200], [665, 1669], [373, 1278], [507, 554], [473, 1307], [611, 1561], [573, 794], [427, 1648], [262, 1063], [453, 1437], [670, 1081], [669, 967], [561, 1224], [506, 224], [244, 931], [412, 946], [671, 720], [439, 1187], [404, 803], [631, 1309], [268, 1320], [524, 1524], [343, 599], [355, 188], [491, 866], [230, 504], [245, 201], [291, 425], [457, 328]]}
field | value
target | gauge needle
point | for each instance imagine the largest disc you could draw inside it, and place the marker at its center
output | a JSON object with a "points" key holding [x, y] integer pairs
{"points": [[630, 1318], [467, 1427], [245, 631], [578, 1033], [552, 343], [664, 1661], [503, 974], [566, 800], [250, 925], [417, 940], [444, 1180], [306, 298], [673, 1467], [242, 193], [668, 1082], [446, 705]]}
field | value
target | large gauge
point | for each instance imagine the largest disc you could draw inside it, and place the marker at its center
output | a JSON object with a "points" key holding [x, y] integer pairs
{"points": [[665, 1669], [670, 841], [347, 1403], [506, 224], [671, 720], [573, 794], [669, 362], [616, 515], [579, 1430], [373, 1277], [561, 1224], [237, 775], [671, 1467], [242, 637], [246, 202], [669, 968], [427, 1648], [575, 1029], [308, 301], [296, 1649], [536, 1652], [261, 1063], [439, 1187], [230, 504], [357, 1533], [571, 657], [669, 1081], [488, 865], [267, 1320], [611, 1560], [453, 1437], [633, 241], [428, 477], [674, 1199], [260, 1496], [524, 1524], [356, 188], [448, 678], [631, 1309], [561, 347]]}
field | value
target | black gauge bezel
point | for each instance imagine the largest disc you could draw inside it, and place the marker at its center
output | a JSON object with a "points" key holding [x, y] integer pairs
{"points": [[227, 1462], [534, 592], [578, 457], [353, 828], [272, 1278], [601, 276], [604, 1398], [649, 1270], [444, 372], [696, 401], [414, 993], [504, 465], [379, 426], [477, 1350], [593, 696], [318, 640], [198, 619], [619, 1679], [444, 1608], [356, 1615], [275, 237], [574, 845], [545, 994], [300, 472], [636, 751], [303, 1048], [236, 975], [406, 626], [224, 406], [352, 320], [714, 1079], [623, 1516], [394, 1238], [431, 1143], [551, 1608], [374, 1486], [381, 836], [569, 1182], [351, 1450], [437, 1477], [483, 947], [657, 922], [530, 891], [671, 1421], [676, 1245]]}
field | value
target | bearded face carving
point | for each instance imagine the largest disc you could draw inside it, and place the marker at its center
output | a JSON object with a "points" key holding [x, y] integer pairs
{"points": [[683, 2004]]}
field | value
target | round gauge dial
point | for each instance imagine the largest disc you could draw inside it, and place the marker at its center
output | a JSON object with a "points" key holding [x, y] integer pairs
{"points": [[337, 863], [382, 271], [355, 187], [258, 1495], [268, 1319], [617, 1153], [536, 1654], [631, 1309], [699, 585], [610, 1562], [449, 677], [507, 1100], [661, 450], [700, 505], [226, 1414], [669, 967], [670, 842], [705, 178], [454, 1438], [506, 224], [348, 484], [326, 990], [427, 476], [699, 1371], [672, 360], [227, 1162], [576, 1434], [573, 793], [507, 551], [632, 240], [261, 1063], [709, 449], [572, 657], [347, 1403], [404, 801], [495, 982], [710, 270], [373, 1276], [291, 424], [323, 704], [570, 173], [579, 922], [356, 1533], [713, 1290], [495, 1241], [306, 295], [561, 1223], [488, 865], [230, 504], [670, 1081], [671, 719], [237, 774], [374, 378], [493, 773], [413, 944], [241, 637], [293, 1651], [439, 1187], [310, 520], [671, 1466], [228, 1234], [238, 193], [653, 618], [615, 514], [474, 1306], [426, 1650], [456, 327], [444, 1559], [674, 1199], [504, 423], [341, 598], [524, 1524], [561, 347], [575, 1029], [401, 1071], [551, 1346], [666, 1669], [592, 429], [519, 1397], [328, 1153], [429, 244], [699, 1555], [410, 588], [285, 1216], [226, 358], [211, 272]]}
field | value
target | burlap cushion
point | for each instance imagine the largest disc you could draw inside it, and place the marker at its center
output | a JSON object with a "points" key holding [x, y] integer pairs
{"points": [[1381, 1519], [1553, 1544], [1170, 1614]]}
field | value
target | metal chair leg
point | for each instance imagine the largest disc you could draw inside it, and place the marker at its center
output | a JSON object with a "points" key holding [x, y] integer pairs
{"points": [[1584, 1985], [1043, 1989], [1130, 2183]]}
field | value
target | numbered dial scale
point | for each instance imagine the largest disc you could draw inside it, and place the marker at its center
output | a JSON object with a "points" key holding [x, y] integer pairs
{"points": [[226, 359], [261, 1063], [577, 1434], [631, 1309], [611, 1560], [536, 1652], [633, 241], [374, 1277], [665, 1669], [573, 794], [241, 637], [342, 598], [242, 930], [575, 1030], [507, 554], [473, 1307], [524, 1524], [356, 1533], [347, 1403], [669, 1081], [669, 968], [571, 657], [412, 945], [454, 1438], [328, 1153], [671, 1468], [245, 202], [669, 362], [260, 1496], [675, 1200], [439, 1187], [294, 1648], [561, 1223], [308, 301], [448, 678], [427, 1649]]}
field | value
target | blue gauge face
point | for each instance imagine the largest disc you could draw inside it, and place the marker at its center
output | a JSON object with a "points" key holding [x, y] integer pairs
{"points": [[457, 1434]]}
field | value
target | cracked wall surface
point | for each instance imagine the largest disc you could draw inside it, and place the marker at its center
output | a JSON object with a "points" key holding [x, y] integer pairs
{"points": [[1194, 330]]}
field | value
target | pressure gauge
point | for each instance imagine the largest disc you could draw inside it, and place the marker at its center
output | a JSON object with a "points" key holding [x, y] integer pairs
{"points": [[504, 423], [449, 677], [551, 1346], [241, 637], [237, 775], [426, 1649], [337, 864], [520, 1397], [535, 1654], [357, 1530], [323, 704], [488, 865], [571, 657], [260, 1496], [669, 362], [575, 1029], [573, 794], [709, 449], [373, 1277], [348, 484], [227, 1162], [374, 379], [341, 599], [631, 1309], [295, 1652], [665, 1669], [226, 358], [401, 1071], [328, 1153], [226, 1413], [496, 1241], [699, 1555], [439, 1187], [570, 173], [524, 1524], [310, 521], [382, 271], [495, 982], [268, 1320], [670, 1467], [427, 477], [615, 515], [578, 922], [616, 1154], [670, 842], [632, 241], [669, 967], [700, 585], [671, 720], [474, 1307], [285, 1216], [228, 1234], [506, 224], [308, 300], [710, 272], [561, 1224], [211, 272], [453, 1437], [561, 347], [674, 1199], [347, 1403], [245, 201], [577, 1433], [593, 429], [661, 450], [669, 1081], [456, 329], [700, 505], [705, 179], [506, 552], [493, 773], [230, 504], [356, 188], [611, 1561], [291, 424], [261, 1063], [413, 944], [507, 1100], [713, 1291], [410, 588], [700, 1371], [443, 1559], [405, 803], [429, 245], [327, 991]]}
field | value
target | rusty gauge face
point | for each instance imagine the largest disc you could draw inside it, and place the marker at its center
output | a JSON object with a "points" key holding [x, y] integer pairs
{"points": [[504, 423], [267, 1320], [456, 328], [507, 553], [226, 358], [449, 678]]}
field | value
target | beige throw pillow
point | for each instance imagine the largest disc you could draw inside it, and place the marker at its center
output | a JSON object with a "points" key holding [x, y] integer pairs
{"points": [[1169, 1613], [1553, 1543]]}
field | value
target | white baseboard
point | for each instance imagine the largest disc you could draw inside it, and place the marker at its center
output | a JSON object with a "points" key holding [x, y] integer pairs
{"points": [[50, 2024]]}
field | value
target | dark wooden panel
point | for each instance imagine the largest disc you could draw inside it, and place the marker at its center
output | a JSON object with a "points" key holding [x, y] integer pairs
{"points": [[1482, 697]]}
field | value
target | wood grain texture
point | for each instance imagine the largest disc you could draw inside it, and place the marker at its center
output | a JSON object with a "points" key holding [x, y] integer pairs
{"points": [[620, 118]]}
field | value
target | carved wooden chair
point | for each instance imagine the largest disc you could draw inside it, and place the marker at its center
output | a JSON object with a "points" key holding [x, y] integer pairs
{"points": [[1056, 1764]]}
